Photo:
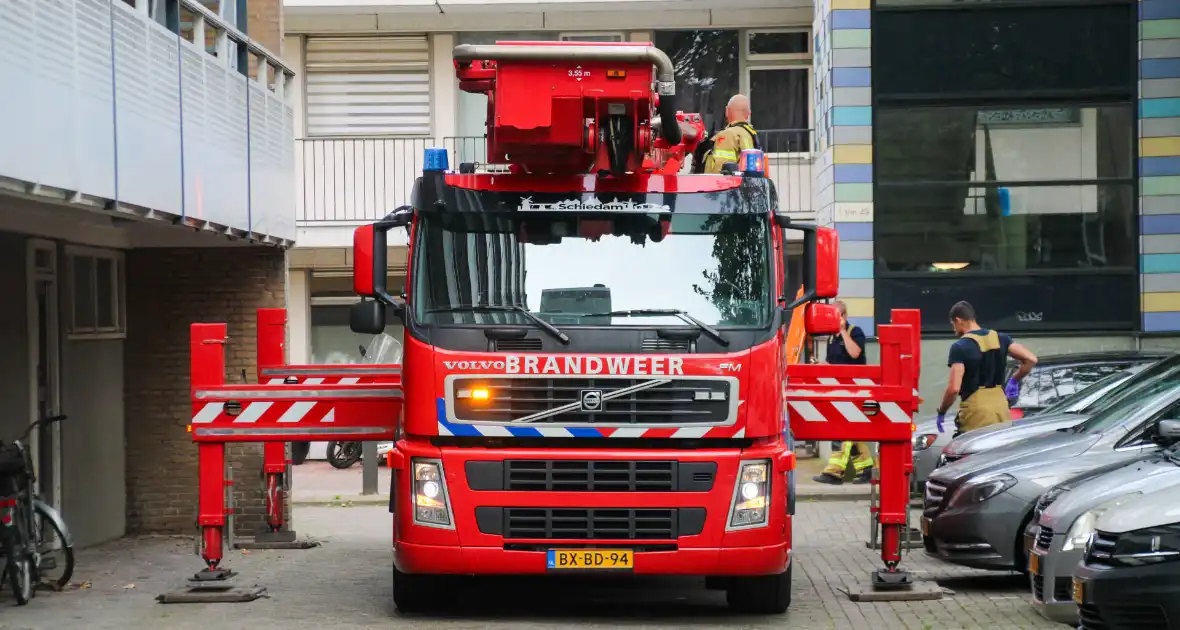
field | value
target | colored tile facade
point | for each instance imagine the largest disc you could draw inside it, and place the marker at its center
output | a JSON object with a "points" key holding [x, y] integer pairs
{"points": [[843, 170], [1159, 163]]}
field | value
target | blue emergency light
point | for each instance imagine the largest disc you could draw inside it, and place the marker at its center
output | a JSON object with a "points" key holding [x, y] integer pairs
{"points": [[752, 162], [436, 160]]}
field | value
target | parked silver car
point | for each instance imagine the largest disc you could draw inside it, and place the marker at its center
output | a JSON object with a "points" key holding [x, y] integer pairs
{"points": [[929, 444], [1130, 577], [975, 510], [1069, 513]]}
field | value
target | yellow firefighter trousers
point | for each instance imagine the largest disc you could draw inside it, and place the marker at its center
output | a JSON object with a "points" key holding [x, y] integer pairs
{"points": [[838, 463], [985, 407]]}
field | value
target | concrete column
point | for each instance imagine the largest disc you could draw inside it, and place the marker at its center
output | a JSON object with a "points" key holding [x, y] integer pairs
{"points": [[843, 170], [293, 57], [444, 87], [299, 316], [1159, 164]]}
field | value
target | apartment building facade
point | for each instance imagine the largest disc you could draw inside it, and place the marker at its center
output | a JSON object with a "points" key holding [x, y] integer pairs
{"points": [[146, 183]]}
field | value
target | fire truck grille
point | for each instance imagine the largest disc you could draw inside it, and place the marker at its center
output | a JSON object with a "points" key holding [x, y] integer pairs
{"points": [[557, 475], [606, 401], [517, 523]]}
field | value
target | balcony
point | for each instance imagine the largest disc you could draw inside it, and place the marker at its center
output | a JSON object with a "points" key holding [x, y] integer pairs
{"points": [[345, 182], [166, 113]]}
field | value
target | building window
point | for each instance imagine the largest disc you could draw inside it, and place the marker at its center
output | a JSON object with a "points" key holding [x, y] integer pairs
{"points": [[1021, 202], [368, 86], [773, 67], [97, 302], [1002, 51]]}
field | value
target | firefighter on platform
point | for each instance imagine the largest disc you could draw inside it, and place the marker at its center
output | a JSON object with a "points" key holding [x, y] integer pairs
{"points": [[737, 136], [978, 361], [847, 348]]}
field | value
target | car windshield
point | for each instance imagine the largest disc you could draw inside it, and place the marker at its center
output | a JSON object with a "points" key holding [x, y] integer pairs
{"points": [[1131, 403], [1051, 383], [579, 263], [1079, 402]]}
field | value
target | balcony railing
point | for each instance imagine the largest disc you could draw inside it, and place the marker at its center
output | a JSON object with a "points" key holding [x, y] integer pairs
{"points": [[355, 180], [161, 109]]}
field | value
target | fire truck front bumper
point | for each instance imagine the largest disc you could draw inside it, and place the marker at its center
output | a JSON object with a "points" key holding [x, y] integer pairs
{"points": [[519, 511], [729, 561]]}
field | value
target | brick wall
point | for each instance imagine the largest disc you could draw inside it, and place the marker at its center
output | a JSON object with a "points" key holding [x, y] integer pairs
{"points": [[167, 290], [265, 23]]}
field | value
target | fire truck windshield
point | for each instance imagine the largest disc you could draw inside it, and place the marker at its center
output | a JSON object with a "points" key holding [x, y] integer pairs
{"points": [[584, 269]]}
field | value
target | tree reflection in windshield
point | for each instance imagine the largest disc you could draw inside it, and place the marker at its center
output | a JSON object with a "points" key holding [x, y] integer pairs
{"points": [[735, 286]]}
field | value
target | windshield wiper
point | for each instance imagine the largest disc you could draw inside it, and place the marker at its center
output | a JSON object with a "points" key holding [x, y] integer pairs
{"points": [[640, 312], [498, 308]]}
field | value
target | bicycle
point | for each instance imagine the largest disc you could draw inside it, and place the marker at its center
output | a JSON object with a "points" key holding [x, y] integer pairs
{"points": [[31, 529]]}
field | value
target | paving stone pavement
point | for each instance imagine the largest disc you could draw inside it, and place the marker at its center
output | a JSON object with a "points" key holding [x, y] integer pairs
{"points": [[346, 584]]}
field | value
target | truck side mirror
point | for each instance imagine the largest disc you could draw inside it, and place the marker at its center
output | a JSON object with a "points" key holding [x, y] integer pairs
{"points": [[367, 317], [369, 252], [821, 319]]}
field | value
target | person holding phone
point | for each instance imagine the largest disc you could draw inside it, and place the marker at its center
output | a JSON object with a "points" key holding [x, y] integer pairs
{"points": [[847, 348]]}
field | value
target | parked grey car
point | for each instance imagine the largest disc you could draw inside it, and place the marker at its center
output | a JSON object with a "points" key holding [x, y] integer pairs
{"points": [[929, 444], [999, 435], [1070, 513], [1130, 577], [975, 510]]}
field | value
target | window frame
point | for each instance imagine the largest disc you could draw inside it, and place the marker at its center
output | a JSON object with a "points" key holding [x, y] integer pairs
{"points": [[796, 57], [621, 35], [118, 287]]}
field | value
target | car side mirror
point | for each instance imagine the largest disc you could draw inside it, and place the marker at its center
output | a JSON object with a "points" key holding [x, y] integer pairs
{"points": [[1167, 431]]}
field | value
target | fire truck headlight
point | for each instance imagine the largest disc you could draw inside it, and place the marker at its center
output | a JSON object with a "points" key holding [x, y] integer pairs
{"points": [[751, 496], [432, 504]]}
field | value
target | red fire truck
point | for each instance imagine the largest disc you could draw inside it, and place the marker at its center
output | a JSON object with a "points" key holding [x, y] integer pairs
{"points": [[639, 418]]}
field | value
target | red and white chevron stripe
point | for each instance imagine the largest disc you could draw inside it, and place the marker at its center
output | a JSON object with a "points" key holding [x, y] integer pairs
{"points": [[331, 380], [682, 432], [822, 409], [266, 411], [838, 381]]}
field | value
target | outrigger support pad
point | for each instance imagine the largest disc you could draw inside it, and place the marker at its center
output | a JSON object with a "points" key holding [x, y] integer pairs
{"points": [[894, 579], [212, 586]]}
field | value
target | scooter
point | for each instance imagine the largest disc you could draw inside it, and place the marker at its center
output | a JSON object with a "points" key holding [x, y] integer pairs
{"points": [[343, 455]]}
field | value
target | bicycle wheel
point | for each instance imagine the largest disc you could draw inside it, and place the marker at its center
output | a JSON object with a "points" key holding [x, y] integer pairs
{"points": [[55, 554], [18, 571]]}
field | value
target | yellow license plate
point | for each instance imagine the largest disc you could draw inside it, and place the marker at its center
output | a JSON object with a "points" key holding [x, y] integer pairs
{"points": [[1034, 564], [925, 527], [591, 559], [1078, 590]]}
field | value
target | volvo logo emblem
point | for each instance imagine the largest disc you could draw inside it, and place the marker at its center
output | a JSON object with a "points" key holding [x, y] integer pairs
{"points": [[591, 399]]}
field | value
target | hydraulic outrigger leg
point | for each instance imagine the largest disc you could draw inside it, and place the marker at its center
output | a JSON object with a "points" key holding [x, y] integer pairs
{"points": [[870, 403], [341, 402]]}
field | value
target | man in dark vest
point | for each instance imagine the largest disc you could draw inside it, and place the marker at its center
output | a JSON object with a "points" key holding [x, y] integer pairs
{"points": [[978, 362], [847, 348]]}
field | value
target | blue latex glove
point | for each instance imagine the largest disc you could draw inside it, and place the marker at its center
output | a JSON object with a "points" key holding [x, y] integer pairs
{"points": [[941, 419], [1012, 389]]}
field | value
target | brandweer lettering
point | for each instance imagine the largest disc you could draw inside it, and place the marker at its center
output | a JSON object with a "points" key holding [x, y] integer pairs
{"points": [[536, 364]]}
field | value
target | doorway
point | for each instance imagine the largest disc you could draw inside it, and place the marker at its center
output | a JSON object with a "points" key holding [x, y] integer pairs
{"points": [[44, 366]]}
